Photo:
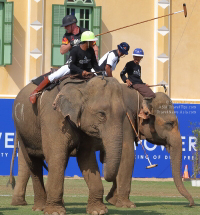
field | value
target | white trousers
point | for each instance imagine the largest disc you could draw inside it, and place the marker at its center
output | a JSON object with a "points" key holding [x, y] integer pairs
{"points": [[64, 70]]}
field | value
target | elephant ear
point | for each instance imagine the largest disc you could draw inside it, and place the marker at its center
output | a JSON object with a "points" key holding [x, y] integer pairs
{"points": [[147, 109], [69, 103]]}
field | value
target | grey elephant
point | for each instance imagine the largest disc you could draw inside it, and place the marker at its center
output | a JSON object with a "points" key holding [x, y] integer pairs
{"points": [[88, 116], [161, 109], [161, 129]]}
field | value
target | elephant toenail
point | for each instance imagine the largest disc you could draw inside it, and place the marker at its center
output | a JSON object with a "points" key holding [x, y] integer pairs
{"points": [[94, 213], [55, 213], [102, 212]]}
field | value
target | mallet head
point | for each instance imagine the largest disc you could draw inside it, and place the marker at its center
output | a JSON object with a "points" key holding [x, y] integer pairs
{"points": [[151, 166], [185, 9]]}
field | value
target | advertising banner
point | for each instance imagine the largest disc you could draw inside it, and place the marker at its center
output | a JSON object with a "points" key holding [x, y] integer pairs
{"points": [[186, 114]]}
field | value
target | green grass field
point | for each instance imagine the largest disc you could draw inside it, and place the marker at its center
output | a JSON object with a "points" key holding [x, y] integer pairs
{"points": [[150, 197]]}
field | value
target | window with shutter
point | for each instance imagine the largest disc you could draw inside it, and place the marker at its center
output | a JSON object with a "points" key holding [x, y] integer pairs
{"points": [[88, 16], [1, 33], [58, 12], [97, 25], [6, 33]]}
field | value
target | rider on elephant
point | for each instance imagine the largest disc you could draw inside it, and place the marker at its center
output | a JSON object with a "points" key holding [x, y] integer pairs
{"points": [[72, 37], [81, 60], [110, 60], [133, 69]]}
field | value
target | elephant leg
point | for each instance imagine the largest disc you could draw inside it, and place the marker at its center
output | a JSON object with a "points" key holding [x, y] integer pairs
{"points": [[18, 197], [38, 184], [120, 191], [55, 183], [87, 162], [112, 195]]}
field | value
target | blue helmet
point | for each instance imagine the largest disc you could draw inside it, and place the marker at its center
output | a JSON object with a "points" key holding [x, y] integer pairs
{"points": [[123, 48], [138, 52]]}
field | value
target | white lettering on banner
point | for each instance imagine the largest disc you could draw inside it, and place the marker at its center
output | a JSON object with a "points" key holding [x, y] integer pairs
{"points": [[140, 157], [192, 143], [134, 146], [167, 157], [183, 106], [183, 143], [7, 139], [188, 144], [149, 149], [156, 157], [188, 157], [3, 155], [162, 148], [0, 135]]}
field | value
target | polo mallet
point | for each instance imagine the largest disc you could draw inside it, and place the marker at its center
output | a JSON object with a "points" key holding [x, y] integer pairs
{"points": [[151, 165], [184, 10], [159, 85]]}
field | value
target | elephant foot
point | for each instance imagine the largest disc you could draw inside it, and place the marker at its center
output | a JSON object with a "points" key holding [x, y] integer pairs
{"points": [[125, 203], [98, 208], [18, 200], [111, 199], [120, 203], [55, 210], [38, 207], [112, 196]]}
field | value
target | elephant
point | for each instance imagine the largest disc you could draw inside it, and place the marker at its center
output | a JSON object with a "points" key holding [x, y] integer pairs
{"points": [[161, 128], [161, 111], [85, 117]]}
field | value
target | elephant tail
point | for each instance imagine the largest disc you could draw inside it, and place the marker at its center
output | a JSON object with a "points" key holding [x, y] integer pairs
{"points": [[12, 179]]}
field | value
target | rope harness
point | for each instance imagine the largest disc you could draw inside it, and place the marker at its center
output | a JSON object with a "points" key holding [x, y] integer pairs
{"points": [[137, 135]]}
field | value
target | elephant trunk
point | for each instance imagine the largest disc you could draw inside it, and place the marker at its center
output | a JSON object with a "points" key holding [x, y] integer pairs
{"points": [[176, 162], [113, 151]]}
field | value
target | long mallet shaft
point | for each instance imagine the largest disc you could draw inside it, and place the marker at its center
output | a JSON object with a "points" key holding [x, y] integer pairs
{"points": [[159, 85], [151, 165], [184, 10]]}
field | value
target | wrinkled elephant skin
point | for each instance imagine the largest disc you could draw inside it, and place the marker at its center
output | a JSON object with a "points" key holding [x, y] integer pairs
{"points": [[84, 115], [160, 129]]}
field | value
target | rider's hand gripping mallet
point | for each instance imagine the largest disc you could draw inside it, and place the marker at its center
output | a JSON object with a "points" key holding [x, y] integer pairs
{"points": [[151, 165]]}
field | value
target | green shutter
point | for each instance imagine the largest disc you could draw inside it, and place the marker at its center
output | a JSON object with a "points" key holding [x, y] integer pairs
{"points": [[97, 25], [58, 12], [8, 33], [1, 33]]}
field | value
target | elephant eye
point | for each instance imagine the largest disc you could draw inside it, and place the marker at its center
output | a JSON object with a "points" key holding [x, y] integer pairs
{"points": [[170, 124], [101, 116]]}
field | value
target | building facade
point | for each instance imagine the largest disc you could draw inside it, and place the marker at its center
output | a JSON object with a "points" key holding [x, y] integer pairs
{"points": [[170, 44], [30, 38]]}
